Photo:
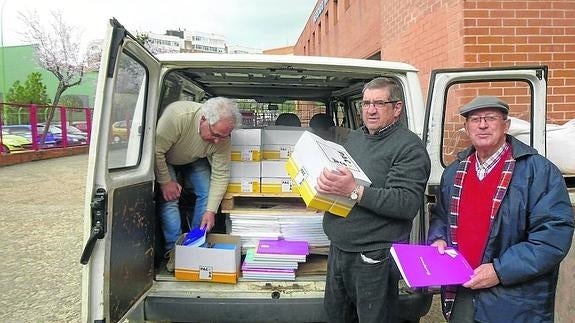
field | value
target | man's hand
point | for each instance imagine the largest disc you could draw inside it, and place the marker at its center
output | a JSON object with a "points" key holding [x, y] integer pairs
{"points": [[171, 190], [340, 182], [484, 276], [208, 220], [440, 244]]}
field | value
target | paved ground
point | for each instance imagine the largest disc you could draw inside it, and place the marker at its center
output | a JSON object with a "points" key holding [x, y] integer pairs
{"points": [[41, 235], [41, 219]]}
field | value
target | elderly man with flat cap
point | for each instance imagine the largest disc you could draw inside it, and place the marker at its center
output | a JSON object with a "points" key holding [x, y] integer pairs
{"points": [[507, 210]]}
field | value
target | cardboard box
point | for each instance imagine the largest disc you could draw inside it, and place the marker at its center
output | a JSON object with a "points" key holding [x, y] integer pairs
{"points": [[275, 152], [246, 144], [278, 141], [278, 185], [246, 153], [246, 137], [245, 169], [244, 185], [274, 168], [311, 155], [218, 265]]}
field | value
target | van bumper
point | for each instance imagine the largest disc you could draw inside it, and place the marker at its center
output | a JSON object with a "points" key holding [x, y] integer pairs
{"points": [[181, 309]]}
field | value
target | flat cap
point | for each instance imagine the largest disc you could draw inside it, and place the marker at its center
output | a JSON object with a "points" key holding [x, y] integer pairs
{"points": [[482, 102]]}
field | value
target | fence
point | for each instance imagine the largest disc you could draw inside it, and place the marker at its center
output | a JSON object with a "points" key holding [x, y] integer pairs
{"points": [[22, 127]]}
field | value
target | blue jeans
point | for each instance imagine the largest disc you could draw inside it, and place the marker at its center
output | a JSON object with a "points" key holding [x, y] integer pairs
{"points": [[194, 177]]}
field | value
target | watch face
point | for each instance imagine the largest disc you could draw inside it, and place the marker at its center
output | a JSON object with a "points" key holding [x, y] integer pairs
{"points": [[353, 195]]}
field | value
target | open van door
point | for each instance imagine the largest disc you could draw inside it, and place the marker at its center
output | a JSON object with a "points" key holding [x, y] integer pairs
{"points": [[119, 213], [523, 88]]}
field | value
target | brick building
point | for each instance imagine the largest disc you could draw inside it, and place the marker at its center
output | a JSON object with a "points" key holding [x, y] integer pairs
{"points": [[432, 34]]}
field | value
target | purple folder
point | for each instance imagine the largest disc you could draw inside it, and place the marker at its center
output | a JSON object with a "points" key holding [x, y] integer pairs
{"points": [[423, 266], [283, 247]]}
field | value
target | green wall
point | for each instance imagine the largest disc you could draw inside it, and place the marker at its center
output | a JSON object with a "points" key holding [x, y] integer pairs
{"points": [[16, 62]]}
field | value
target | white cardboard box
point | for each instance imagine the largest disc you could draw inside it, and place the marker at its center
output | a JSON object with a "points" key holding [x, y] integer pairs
{"points": [[311, 155], [246, 144], [220, 265], [278, 141], [246, 153], [274, 168], [245, 169], [244, 185], [278, 185], [247, 137]]}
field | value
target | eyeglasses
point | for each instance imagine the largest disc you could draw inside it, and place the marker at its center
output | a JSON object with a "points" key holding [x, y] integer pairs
{"points": [[216, 135], [490, 118], [378, 104]]}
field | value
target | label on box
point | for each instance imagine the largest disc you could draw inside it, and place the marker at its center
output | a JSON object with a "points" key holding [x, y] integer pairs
{"points": [[247, 187], [285, 152], [301, 176], [246, 154], [286, 185], [206, 272]]}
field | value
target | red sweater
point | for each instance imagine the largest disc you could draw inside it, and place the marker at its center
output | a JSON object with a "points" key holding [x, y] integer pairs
{"points": [[475, 209]]}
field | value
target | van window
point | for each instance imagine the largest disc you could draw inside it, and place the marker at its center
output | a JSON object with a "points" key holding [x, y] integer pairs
{"points": [[517, 94], [128, 101]]}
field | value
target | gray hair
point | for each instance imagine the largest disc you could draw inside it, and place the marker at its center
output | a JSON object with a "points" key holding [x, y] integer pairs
{"points": [[384, 83], [218, 108]]}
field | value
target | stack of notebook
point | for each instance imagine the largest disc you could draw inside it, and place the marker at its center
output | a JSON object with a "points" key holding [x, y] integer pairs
{"points": [[253, 227], [274, 259]]}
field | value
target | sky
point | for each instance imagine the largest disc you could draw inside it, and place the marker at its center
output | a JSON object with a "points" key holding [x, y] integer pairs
{"points": [[261, 24]]}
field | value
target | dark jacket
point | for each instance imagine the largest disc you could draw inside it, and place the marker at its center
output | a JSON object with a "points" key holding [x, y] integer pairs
{"points": [[396, 162], [529, 237]]}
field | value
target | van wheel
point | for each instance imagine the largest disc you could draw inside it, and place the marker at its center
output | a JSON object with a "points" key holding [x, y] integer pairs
{"points": [[116, 139]]}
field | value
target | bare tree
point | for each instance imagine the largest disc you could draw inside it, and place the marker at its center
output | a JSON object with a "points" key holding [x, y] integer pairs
{"points": [[57, 49]]}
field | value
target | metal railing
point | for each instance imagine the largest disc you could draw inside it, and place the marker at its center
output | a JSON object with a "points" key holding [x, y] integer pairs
{"points": [[22, 125]]}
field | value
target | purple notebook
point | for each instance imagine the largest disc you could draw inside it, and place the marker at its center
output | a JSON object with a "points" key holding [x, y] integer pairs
{"points": [[423, 266], [282, 247]]}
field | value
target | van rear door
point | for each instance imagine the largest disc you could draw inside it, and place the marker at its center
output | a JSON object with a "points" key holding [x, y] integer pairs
{"points": [[523, 88], [119, 212]]}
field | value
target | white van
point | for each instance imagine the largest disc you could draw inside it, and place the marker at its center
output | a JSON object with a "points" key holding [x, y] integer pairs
{"points": [[124, 279]]}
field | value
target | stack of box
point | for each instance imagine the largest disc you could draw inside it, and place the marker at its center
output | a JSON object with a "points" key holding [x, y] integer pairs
{"points": [[278, 144], [246, 156], [259, 157]]}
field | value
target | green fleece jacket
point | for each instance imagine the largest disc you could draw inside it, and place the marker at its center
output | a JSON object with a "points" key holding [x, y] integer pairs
{"points": [[178, 142], [398, 165]]}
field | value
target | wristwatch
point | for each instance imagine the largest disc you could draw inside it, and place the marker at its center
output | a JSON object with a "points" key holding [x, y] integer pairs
{"points": [[354, 195]]}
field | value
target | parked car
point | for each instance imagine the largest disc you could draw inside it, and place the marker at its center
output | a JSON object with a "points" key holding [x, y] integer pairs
{"points": [[73, 138], [11, 143], [81, 125], [119, 131], [25, 130]]}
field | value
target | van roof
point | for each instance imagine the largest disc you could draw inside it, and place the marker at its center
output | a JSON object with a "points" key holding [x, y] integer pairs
{"points": [[281, 76]]}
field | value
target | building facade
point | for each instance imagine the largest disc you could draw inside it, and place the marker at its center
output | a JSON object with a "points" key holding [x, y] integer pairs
{"points": [[19, 61], [434, 34]]}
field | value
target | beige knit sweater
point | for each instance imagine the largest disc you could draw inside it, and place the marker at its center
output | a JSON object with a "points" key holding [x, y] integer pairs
{"points": [[178, 142]]}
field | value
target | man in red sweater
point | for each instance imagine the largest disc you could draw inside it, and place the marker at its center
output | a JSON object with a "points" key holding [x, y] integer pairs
{"points": [[507, 209]]}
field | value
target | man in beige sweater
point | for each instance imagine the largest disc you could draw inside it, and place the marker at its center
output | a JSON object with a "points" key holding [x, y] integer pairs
{"points": [[193, 151]]}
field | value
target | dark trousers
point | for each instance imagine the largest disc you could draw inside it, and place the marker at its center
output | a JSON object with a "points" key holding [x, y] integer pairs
{"points": [[361, 289], [463, 310]]}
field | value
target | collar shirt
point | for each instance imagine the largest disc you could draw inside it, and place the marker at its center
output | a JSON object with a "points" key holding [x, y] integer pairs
{"points": [[487, 166]]}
